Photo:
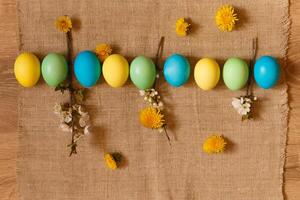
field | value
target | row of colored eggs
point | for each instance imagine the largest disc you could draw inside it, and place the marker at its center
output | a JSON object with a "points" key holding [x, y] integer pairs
{"points": [[142, 71]]}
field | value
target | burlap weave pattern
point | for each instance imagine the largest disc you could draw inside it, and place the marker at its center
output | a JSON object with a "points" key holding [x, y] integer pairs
{"points": [[251, 168]]}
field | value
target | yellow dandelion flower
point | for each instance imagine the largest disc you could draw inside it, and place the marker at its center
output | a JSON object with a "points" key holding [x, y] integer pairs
{"points": [[182, 27], [226, 18], [110, 161], [152, 118], [63, 23], [103, 51], [214, 144]]}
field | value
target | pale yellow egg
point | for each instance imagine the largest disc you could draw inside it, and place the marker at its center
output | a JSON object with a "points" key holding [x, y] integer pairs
{"points": [[207, 73], [115, 70]]}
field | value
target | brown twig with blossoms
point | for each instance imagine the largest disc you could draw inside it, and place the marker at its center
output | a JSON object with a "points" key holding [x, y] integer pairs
{"points": [[244, 104], [152, 116], [73, 118]]}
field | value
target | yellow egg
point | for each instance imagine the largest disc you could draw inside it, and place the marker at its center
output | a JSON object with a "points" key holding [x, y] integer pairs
{"points": [[115, 70], [207, 73], [27, 69]]}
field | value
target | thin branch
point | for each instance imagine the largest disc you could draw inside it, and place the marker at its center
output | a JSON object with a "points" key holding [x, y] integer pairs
{"points": [[73, 144], [158, 57], [252, 61]]}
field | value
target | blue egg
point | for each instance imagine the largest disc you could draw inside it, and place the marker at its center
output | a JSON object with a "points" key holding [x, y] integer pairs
{"points": [[266, 72], [87, 68], [177, 70]]}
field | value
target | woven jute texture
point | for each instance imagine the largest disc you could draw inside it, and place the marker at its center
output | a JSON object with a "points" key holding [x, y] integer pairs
{"points": [[250, 169]]}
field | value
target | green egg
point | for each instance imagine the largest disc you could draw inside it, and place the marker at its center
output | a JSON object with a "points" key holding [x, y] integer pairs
{"points": [[235, 73], [54, 69], [142, 72]]}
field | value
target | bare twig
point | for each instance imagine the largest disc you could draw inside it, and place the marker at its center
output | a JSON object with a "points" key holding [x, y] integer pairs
{"points": [[252, 61]]}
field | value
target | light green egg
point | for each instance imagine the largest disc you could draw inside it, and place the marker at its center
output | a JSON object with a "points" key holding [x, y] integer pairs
{"points": [[142, 72], [235, 73], [54, 69]]}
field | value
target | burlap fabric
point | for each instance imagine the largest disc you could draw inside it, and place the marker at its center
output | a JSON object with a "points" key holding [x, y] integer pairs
{"points": [[251, 168]]}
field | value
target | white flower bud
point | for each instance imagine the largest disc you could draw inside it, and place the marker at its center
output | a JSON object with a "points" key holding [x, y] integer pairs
{"points": [[160, 104], [65, 128], [86, 130], [142, 92]]}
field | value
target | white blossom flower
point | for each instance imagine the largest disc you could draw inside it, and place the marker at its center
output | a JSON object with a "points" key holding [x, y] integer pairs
{"points": [[86, 130], [242, 105], [80, 110], [142, 92], [236, 103], [66, 117], [57, 109], [65, 128], [160, 130], [84, 120], [160, 104]]}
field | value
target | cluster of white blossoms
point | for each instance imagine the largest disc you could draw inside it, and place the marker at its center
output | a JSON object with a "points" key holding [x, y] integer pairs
{"points": [[243, 105], [152, 97], [73, 118]]}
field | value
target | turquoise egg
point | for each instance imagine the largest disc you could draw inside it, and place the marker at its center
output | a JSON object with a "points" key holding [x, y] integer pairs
{"points": [[266, 72], [142, 72], [87, 68], [54, 69], [177, 70], [235, 73]]}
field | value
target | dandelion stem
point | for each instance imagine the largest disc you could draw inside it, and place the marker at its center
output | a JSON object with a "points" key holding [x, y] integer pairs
{"points": [[167, 135]]}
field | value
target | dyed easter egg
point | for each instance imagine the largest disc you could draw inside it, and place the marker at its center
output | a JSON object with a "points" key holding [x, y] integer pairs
{"points": [[266, 72], [142, 72], [87, 68], [176, 70], [235, 73], [27, 69], [115, 70], [54, 69], [207, 73]]}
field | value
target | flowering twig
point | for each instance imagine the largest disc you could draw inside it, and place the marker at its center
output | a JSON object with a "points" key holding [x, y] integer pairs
{"points": [[152, 116], [158, 57], [243, 104], [69, 38], [73, 117]]}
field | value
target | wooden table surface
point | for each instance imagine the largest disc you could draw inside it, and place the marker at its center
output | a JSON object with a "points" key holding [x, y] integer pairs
{"points": [[9, 94]]}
